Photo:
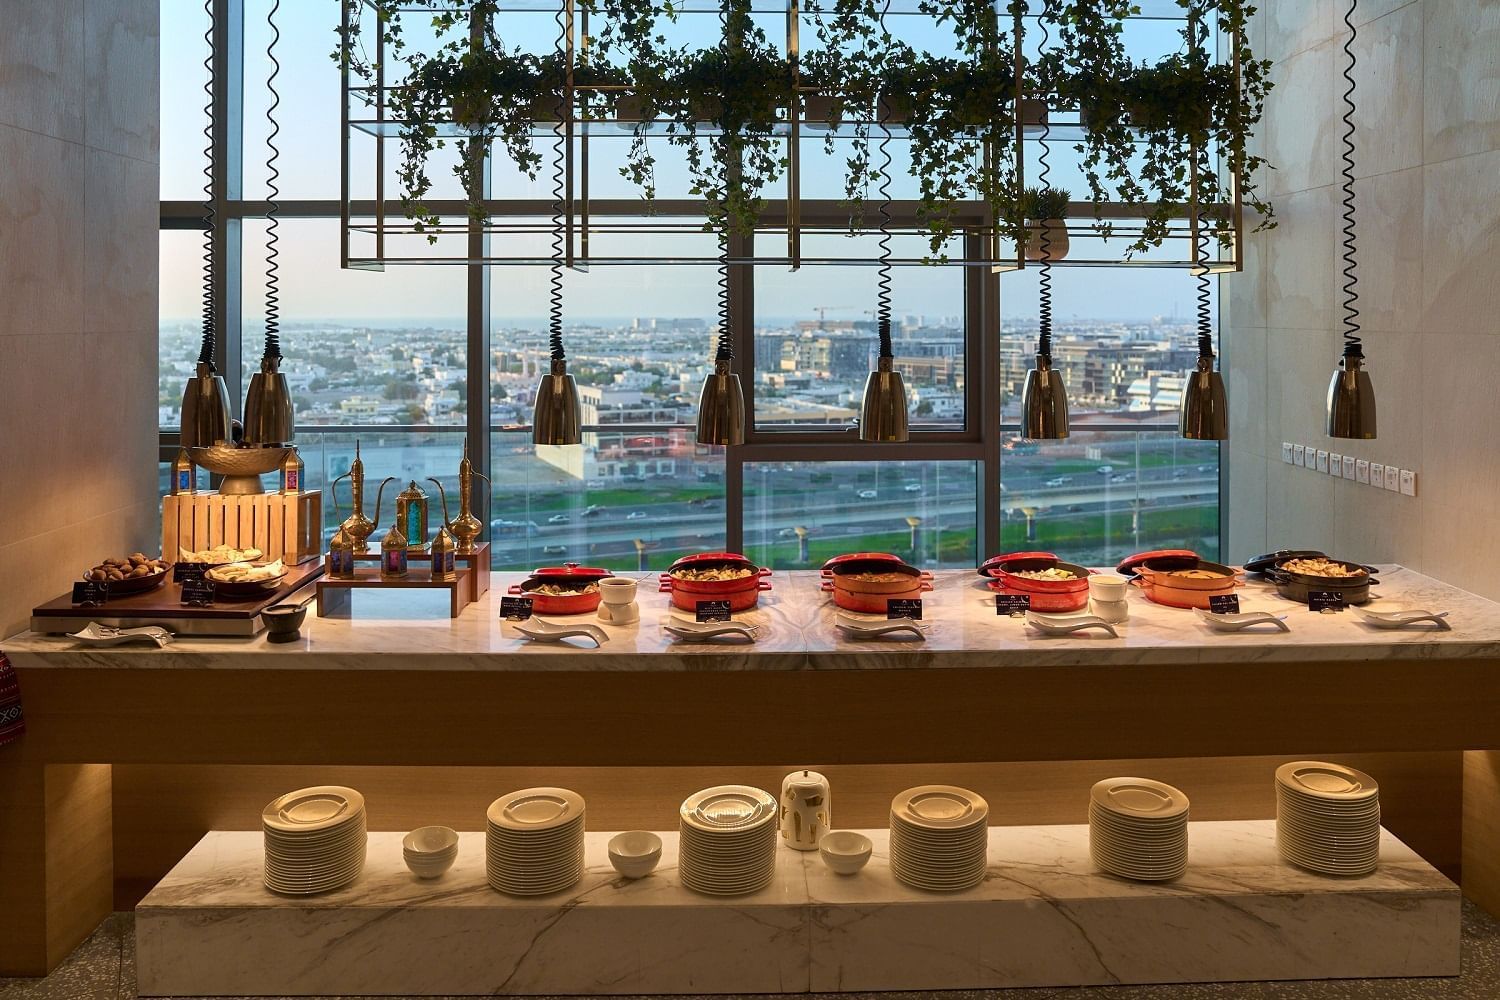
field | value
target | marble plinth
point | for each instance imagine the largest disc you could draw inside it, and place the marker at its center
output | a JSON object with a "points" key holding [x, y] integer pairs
{"points": [[1043, 916]]}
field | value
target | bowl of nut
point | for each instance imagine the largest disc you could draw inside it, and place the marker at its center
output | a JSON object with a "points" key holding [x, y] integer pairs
{"points": [[135, 574]]}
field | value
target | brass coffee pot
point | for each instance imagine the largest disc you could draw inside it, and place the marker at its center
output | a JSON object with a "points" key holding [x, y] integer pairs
{"points": [[356, 527], [465, 528]]}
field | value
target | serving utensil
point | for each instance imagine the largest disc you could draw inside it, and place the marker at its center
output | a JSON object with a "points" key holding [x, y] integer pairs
{"points": [[544, 631], [1236, 622], [108, 635], [700, 631], [873, 630], [1401, 619], [1055, 625]]}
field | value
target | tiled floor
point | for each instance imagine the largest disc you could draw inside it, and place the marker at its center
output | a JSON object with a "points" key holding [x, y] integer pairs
{"points": [[103, 968]]}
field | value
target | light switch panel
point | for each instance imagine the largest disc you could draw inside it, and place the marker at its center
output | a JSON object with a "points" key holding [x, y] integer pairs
{"points": [[1393, 479], [1377, 475], [1286, 452], [1408, 482], [1348, 466], [1335, 464], [1312, 456], [1362, 471], [1299, 455], [1322, 460]]}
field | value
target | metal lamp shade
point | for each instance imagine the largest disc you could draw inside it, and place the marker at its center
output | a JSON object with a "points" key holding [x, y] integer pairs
{"points": [[1204, 414], [721, 408], [269, 417], [205, 410], [557, 418], [1044, 404], [1351, 402], [882, 413]]}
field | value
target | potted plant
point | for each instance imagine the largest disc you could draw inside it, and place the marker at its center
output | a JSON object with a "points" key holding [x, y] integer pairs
{"points": [[1044, 210]]}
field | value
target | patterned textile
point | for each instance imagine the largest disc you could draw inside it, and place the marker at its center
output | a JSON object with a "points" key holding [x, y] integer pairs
{"points": [[12, 723]]}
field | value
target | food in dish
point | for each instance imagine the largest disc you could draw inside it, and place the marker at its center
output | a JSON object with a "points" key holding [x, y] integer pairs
{"points": [[243, 572], [1052, 573], [132, 567], [1321, 567], [220, 555], [716, 573], [879, 577], [564, 589], [1197, 574]]}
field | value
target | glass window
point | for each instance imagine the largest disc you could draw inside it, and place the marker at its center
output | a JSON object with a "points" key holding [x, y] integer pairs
{"points": [[798, 514], [181, 323], [183, 75]]}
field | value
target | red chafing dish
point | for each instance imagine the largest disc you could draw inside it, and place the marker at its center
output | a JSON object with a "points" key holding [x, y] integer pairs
{"points": [[742, 593], [566, 575], [870, 596]]}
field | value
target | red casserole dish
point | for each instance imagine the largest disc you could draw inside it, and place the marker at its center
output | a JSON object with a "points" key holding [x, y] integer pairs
{"points": [[1004, 572], [569, 575], [1167, 584], [870, 596], [742, 592]]}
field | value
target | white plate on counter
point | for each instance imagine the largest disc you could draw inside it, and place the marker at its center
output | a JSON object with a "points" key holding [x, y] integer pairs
{"points": [[1403, 619]]}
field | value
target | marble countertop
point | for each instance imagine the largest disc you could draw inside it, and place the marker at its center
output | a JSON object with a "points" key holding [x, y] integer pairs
{"points": [[384, 632]]}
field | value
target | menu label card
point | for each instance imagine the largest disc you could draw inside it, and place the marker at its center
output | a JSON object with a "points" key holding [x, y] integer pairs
{"points": [[713, 611], [1325, 600], [896, 608], [1224, 604], [184, 571], [516, 609], [90, 593], [197, 592], [1015, 605]]}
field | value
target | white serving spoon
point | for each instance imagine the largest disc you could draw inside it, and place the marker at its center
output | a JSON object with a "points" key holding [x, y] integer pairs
{"points": [[1401, 619], [1055, 625], [1243, 620], [544, 631], [874, 630], [108, 635]]}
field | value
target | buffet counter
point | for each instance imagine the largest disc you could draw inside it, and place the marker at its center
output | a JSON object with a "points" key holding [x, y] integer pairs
{"points": [[386, 688]]}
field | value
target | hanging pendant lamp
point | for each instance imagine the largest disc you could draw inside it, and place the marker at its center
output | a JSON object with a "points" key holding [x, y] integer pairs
{"points": [[557, 417], [1044, 397], [205, 400], [1351, 394], [721, 403], [269, 416], [883, 413]]}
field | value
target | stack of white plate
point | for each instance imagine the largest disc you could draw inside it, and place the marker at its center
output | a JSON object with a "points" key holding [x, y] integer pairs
{"points": [[315, 840], [728, 838], [1327, 818], [939, 837], [534, 841], [1138, 828]]}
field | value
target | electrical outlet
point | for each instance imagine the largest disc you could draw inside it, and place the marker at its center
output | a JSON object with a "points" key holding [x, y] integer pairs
{"points": [[1299, 455], [1349, 465], [1362, 471], [1312, 456], [1286, 452], [1322, 460], [1393, 479], [1377, 475], [1408, 483], [1335, 464]]}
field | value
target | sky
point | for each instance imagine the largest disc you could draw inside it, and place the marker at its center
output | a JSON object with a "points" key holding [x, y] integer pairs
{"points": [[314, 286]]}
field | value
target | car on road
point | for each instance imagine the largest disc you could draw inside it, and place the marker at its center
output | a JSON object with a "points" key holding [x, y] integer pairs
{"points": [[1105, 470], [500, 527], [594, 484], [1121, 478], [913, 487], [786, 533], [1059, 481], [591, 510], [558, 519], [636, 515], [1208, 468], [554, 550], [868, 494], [1179, 473]]}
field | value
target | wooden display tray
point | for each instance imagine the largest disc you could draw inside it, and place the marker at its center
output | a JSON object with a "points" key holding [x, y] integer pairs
{"points": [[231, 616], [471, 579]]}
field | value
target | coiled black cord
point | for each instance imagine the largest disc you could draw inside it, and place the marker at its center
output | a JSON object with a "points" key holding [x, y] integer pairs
{"points": [[555, 282], [1205, 321], [1352, 345], [273, 177], [724, 351], [206, 351], [883, 282], [1044, 281]]}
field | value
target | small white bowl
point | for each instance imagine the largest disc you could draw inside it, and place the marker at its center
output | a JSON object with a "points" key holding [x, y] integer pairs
{"points": [[1107, 587], [430, 850], [635, 854], [845, 851]]}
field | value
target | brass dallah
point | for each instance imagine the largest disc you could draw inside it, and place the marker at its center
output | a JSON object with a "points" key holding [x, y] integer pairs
{"points": [[465, 528], [356, 527]]}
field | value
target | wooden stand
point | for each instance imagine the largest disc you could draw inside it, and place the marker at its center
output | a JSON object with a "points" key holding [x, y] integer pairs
{"points": [[470, 581], [283, 527]]}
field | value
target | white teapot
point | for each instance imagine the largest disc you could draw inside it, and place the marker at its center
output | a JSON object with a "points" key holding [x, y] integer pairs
{"points": [[806, 809]]}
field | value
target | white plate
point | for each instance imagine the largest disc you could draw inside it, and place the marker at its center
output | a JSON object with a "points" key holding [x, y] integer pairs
{"points": [[728, 808], [312, 810], [1403, 619], [1060, 625], [940, 807], [94, 634], [534, 810], [1139, 799], [1319, 780], [1244, 620]]}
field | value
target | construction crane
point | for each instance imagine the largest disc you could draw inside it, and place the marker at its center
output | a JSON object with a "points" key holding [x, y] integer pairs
{"points": [[823, 311]]}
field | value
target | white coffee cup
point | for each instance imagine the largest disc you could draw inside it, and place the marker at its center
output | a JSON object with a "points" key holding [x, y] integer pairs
{"points": [[617, 601]]}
